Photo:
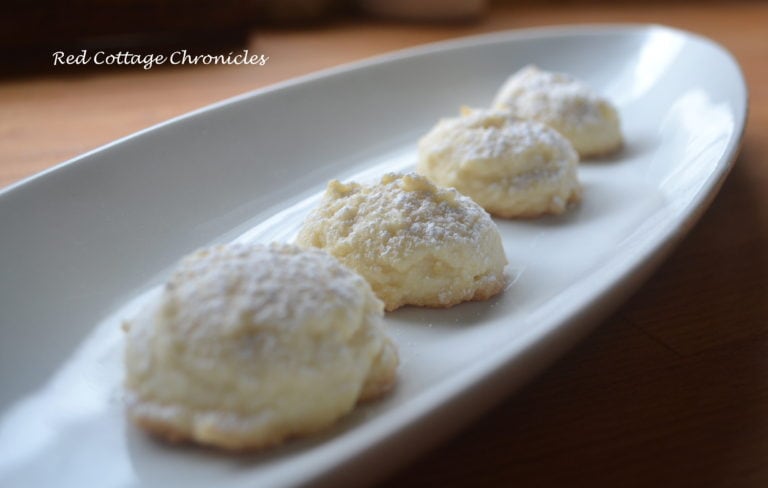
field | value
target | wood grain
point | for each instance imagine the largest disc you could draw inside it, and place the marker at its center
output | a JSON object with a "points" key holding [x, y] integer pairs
{"points": [[670, 391]]}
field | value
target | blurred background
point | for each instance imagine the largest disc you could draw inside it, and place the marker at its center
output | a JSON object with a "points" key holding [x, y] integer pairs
{"points": [[30, 31], [609, 413], [49, 114]]}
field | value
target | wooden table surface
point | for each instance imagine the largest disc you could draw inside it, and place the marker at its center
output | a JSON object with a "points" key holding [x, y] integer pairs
{"points": [[672, 390]]}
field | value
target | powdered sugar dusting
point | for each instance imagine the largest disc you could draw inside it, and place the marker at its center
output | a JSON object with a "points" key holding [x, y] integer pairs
{"points": [[537, 93], [405, 213], [259, 286], [503, 143], [240, 338], [414, 242], [513, 167], [491, 135]]}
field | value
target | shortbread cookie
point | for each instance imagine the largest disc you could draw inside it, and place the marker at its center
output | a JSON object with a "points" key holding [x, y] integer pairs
{"points": [[416, 244], [249, 345], [512, 167], [589, 121]]}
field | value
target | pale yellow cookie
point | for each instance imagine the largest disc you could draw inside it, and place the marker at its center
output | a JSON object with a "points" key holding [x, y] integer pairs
{"points": [[589, 121], [248, 345], [512, 167], [416, 244]]}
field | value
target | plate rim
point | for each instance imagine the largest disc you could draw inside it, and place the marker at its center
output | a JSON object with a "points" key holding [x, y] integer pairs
{"points": [[487, 372], [404, 53]]}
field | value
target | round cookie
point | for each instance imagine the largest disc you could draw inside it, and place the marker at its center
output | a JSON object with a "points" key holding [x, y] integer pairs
{"points": [[512, 167], [589, 121], [249, 345], [416, 244]]}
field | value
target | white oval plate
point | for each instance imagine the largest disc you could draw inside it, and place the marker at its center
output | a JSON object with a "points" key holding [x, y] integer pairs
{"points": [[81, 244]]}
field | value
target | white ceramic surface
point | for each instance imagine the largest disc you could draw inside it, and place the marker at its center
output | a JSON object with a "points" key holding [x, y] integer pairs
{"points": [[82, 243]]}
